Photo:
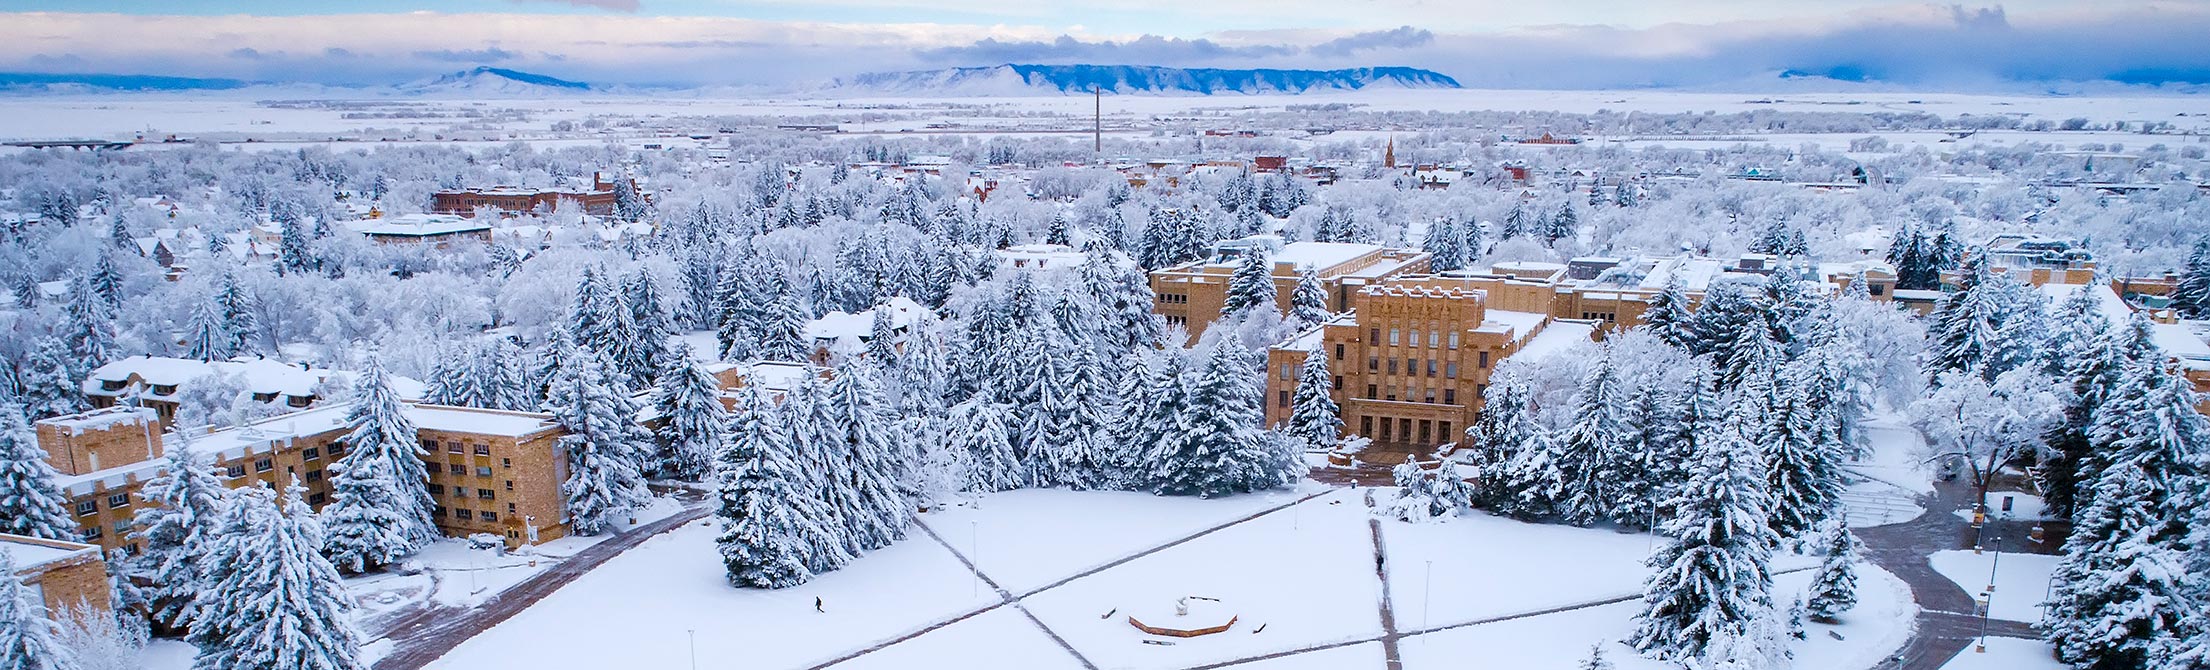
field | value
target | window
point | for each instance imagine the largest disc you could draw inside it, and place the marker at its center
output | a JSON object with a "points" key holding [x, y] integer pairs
{"points": [[337, 449], [1372, 391], [510, 508], [506, 462], [463, 514], [510, 485], [88, 507], [1429, 395], [1338, 383], [164, 389], [1430, 367], [1373, 336], [1415, 341], [485, 494], [314, 475], [317, 498], [437, 489], [1426, 431], [111, 384], [1288, 372], [1392, 394], [118, 501], [265, 397], [1282, 398], [483, 470], [1450, 369], [1450, 397], [483, 450], [490, 515], [1484, 360], [452, 447], [1445, 432], [1404, 428], [1481, 390], [1392, 366], [1366, 425], [1454, 340], [92, 535], [234, 471], [429, 445], [299, 401], [1434, 339], [456, 468], [264, 465], [310, 453], [1385, 425], [1395, 337], [1373, 364], [438, 511], [1875, 289], [1338, 351]]}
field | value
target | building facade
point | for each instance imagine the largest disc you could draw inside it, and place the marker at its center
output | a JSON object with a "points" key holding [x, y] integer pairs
{"points": [[515, 457], [1190, 294], [69, 577]]}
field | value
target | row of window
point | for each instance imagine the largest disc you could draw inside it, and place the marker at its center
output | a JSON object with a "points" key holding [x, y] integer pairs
{"points": [[454, 447], [465, 514], [1435, 337], [1173, 299], [1449, 395], [462, 491], [1401, 430]]}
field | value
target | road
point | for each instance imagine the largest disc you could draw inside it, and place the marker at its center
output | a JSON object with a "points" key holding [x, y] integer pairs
{"points": [[1947, 620]]}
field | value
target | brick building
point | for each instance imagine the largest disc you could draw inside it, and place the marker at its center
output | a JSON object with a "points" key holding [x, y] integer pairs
{"points": [[1412, 360], [504, 478], [67, 576], [1191, 294], [515, 200]]}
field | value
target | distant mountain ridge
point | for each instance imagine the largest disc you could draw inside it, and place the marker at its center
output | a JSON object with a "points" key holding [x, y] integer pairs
{"points": [[495, 80], [1136, 79], [117, 82]]}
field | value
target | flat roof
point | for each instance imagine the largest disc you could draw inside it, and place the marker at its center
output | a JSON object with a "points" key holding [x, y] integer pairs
{"points": [[32, 555]]}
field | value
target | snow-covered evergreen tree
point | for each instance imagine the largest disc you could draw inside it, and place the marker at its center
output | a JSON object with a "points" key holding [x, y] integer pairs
{"points": [[1803, 466], [2191, 296], [688, 400], [651, 323], [1834, 589], [1965, 328], [871, 483], [272, 601], [175, 530], [205, 337], [29, 638], [1712, 580], [240, 314], [1204, 458], [783, 334], [88, 325], [1315, 421], [50, 384], [1586, 484], [30, 503], [1670, 318], [978, 427], [607, 451], [2115, 601], [771, 526], [1308, 304], [380, 502], [1251, 285]]}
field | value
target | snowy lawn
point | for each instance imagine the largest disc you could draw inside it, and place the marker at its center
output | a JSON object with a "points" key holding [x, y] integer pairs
{"points": [[1897, 452], [2008, 653], [2021, 580], [1028, 538], [1000, 639], [1305, 576], [1878, 626], [1486, 566], [1368, 655]]}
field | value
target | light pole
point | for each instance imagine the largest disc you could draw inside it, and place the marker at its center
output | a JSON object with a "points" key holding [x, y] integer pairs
{"points": [[694, 648], [1992, 564]]}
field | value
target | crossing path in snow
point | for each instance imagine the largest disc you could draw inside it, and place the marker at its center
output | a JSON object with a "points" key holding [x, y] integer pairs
{"points": [[1006, 598]]}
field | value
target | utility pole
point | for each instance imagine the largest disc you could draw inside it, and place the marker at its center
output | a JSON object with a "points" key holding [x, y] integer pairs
{"points": [[1097, 119]]}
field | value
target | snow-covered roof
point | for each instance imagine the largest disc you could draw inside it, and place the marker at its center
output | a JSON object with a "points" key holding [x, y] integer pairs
{"points": [[1321, 255], [32, 555], [479, 421], [100, 419], [418, 225], [260, 375], [1559, 336], [2107, 301], [840, 325], [1516, 324], [2188, 341]]}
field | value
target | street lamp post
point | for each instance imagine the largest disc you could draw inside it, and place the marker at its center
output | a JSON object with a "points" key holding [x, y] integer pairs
{"points": [[694, 648], [1992, 564]]}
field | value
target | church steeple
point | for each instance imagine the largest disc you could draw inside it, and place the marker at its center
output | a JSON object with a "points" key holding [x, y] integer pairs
{"points": [[1389, 154]]}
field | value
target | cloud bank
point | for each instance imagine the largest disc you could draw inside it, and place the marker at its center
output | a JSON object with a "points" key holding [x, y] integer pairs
{"points": [[1911, 45]]}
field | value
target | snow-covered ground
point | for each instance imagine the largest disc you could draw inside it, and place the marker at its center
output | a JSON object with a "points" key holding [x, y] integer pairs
{"points": [[1295, 576], [1890, 478], [2021, 580], [2006, 653]]}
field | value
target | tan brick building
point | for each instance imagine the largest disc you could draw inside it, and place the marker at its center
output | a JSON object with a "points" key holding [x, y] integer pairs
{"points": [[1411, 362], [1191, 294], [68, 576], [505, 476]]}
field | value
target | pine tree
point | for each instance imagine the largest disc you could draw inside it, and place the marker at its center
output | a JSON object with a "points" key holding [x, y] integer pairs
{"points": [[694, 424], [978, 427], [293, 255], [1500, 434], [1803, 476], [28, 636], [606, 448], [50, 385], [1201, 459], [1669, 317], [2191, 296], [239, 317], [273, 602], [2096, 369], [1443, 246], [772, 531], [1251, 285], [2112, 606], [88, 325], [1308, 304], [783, 336], [1834, 590], [1585, 453], [652, 326], [1727, 313], [1645, 459], [205, 337], [737, 315], [176, 530], [1565, 224], [380, 501], [1964, 330], [1315, 421], [871, 472], [1595, 660], [106, 282], [30, 503], [1712, 581]]}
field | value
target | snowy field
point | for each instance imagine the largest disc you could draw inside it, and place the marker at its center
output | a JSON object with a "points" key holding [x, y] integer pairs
{"points": [[1297, 576], [1889, 479], [248, 114], [2005, 653], [2021, 580]]}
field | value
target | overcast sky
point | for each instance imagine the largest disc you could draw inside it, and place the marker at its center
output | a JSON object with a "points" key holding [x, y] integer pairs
{"points": [[1488, 43]]}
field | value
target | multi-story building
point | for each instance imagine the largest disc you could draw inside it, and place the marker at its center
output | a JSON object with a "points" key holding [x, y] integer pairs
{"points": [[437, 230], [69, 577], [503, 479], [1411, 361], [154, 382], [513, 200], [1191, 294]]}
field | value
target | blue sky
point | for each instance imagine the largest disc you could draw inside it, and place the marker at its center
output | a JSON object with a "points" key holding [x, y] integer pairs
{"points": [[1554, 44]]}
